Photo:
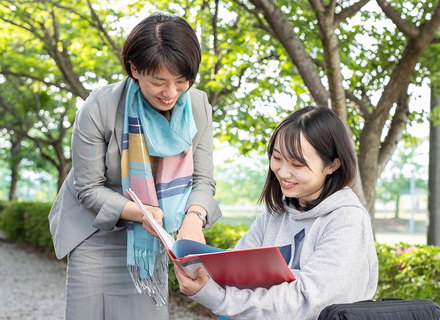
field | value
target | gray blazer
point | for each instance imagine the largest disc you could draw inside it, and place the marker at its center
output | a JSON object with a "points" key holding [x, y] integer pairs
{"points": [[91, 196]]}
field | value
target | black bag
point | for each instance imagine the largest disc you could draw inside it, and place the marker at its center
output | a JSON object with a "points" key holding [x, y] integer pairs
{"points": [[387, 309]]}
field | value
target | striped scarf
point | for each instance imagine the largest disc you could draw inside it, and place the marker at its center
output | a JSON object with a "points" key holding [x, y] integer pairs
{"points": [[157, 165]]}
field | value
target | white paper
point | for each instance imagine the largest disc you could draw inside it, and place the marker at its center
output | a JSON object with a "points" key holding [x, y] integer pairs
{"points": [[166, 238]]}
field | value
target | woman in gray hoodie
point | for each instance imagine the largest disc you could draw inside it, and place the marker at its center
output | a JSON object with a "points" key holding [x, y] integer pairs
{"points": [[323, 231]]}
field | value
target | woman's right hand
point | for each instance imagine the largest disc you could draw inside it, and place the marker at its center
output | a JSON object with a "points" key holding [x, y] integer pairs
{"points": [[157, 214], [132, 212]]}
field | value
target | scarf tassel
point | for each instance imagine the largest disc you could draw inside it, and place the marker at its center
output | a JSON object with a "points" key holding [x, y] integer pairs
{"points": [[153, 282]]}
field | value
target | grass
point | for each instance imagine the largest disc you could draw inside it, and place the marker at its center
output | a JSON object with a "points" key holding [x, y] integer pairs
{"points": [[396, 237], [236, 217]]}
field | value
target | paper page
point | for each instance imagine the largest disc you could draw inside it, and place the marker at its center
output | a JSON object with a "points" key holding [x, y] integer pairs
{"points": [[184, 247], [166, 238]]}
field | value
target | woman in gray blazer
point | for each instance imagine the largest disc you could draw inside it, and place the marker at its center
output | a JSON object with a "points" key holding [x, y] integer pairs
{"points": [[90, 215]]}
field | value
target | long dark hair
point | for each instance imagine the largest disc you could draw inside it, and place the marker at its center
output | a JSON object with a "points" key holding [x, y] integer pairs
{"points": [[327, 134], [161, 40]]}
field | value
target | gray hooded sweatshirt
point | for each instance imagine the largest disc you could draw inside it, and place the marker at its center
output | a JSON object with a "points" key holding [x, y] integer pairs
{"points": [[330, 250]]}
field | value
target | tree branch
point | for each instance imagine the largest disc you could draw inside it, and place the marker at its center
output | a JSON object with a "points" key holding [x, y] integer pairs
{"points": [[43, 155], [349, 11], [294, 48], [402, 72], [37, 108], [362, 105], [100, 26], [261, 25], [94, 22], [432, 25], [217, 66], [404, 26], [56, 34], [42, 80], [318, 5], [331, 7], [15, 24], [395, 131]]}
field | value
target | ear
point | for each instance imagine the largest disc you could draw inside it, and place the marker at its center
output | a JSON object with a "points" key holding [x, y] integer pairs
{"points": [[134, 72], [334, 166]]}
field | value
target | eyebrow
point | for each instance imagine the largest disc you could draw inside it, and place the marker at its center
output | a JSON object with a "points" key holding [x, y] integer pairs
{"points": [[162, 79]]}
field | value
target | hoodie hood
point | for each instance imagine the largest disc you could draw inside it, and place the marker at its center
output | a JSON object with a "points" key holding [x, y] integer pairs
{"points": [[340, 199]]}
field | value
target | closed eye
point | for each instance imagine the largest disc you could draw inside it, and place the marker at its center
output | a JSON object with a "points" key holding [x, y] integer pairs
{"points": [[296, 164]]}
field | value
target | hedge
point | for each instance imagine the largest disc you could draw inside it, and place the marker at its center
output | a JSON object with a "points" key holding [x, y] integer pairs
{"points": [[405, 271], [409, 271], [27, 222]]}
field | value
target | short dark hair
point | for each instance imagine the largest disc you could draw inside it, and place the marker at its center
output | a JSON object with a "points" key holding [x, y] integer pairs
{"points": [[327, 134], [160, 40]]}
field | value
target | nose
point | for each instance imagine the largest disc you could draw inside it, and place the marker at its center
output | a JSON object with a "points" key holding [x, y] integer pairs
{"points": [[170, 91], [284, 170]]}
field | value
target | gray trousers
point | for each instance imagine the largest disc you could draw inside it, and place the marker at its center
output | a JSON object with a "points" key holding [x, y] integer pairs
{"points": [[99, 286]]}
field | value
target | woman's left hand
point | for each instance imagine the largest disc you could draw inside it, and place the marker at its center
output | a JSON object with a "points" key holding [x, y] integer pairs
{"points": [[192, 225], [187, 285], [191, 229]]}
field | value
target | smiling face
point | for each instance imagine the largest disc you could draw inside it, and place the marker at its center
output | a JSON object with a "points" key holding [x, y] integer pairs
{"points": [[296, 179], [162, 89]]}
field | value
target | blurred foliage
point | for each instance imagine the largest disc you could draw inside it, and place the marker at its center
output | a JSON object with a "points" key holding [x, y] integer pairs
{"points": [[27, 222], [401, 170], [240, 182], [409, 272]]}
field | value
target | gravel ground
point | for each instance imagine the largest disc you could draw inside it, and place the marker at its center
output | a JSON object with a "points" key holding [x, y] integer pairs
{"points": [[32, 287]]}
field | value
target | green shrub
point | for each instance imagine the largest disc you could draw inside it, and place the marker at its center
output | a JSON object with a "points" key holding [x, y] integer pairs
{"points": [[225, 236], [27, 222], [12, 221], [3, 205], [409, 272]]}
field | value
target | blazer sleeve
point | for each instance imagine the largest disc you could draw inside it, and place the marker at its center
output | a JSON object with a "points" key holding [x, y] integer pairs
{"points": [[90, 152], [203, 190]]}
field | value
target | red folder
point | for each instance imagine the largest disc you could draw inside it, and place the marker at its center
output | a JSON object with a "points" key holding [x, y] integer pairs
{"points": [[246, 268]]}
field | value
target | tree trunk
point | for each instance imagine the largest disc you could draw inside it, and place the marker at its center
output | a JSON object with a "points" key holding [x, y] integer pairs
{"points": [[63, 171], [396, 213], [14, 181], [64, 164], [15, 165], [434, 173]]}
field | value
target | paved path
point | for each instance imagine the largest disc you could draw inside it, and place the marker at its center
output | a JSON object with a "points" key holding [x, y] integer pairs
{"points": [[32, 287]]}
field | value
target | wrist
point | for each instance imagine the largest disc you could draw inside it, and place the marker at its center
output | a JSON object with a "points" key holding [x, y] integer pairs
{"points": [[200, 215]]}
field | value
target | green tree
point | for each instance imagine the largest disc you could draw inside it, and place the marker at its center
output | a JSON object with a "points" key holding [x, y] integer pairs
{"points": [[332, 53], [30, 113], [358, 59], [54, 53], [389, 65], [61, 44]]}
